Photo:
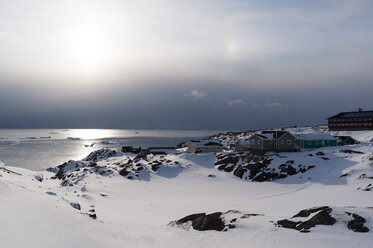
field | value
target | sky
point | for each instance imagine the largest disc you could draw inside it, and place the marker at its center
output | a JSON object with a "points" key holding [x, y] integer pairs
{"points": [[183, 64]]}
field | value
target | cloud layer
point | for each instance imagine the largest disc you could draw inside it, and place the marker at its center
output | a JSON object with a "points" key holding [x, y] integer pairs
{"points": [[183, 64]]}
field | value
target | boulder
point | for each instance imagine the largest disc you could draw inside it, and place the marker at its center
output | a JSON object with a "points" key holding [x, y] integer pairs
{"points": [[357, 224], [75, 205], [203, 222]]}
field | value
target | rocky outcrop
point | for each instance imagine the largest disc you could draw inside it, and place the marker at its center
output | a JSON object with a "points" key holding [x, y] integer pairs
{"points": [[324, 216], [72, 172], [204, 222], [101, 154], [130, 167], [217, 221], [256, 168], [357, 223]]}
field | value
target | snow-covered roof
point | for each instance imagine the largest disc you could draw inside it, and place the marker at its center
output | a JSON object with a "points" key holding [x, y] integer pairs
{"points": [[266, 136], [203, 143], [244, 142], [270, 135], [314, 136], [353, 114]]}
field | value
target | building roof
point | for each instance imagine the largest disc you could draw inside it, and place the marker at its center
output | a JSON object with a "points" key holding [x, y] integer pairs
{"points": [[244, 142], [345, 138], [353, 114], [314, 136], [271, 135], [204, 143]]}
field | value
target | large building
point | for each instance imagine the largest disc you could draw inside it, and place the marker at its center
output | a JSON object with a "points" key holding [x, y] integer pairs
{"points": [[351, 121]]}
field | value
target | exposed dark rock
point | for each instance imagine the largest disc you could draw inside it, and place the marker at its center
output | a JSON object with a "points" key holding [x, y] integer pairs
{"points": [[369, 187], [123, 172], [39, 177], [216, 221], [309, 211], [357, 224], [227, 159], [320, 154], [322, 216], [249, 215], [209, 222], [75, 205], [229, 169], [351, 151], [265, 176], [93, 216], [203, 222], [191, 217], [239, 171], [155, 166], [288, 224], [256, 168], [344, 174], [101, 155]]}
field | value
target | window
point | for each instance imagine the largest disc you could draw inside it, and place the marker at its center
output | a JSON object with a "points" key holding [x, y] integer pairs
{"points": [[282, 142], [253, 142], [316, 142], [289, 142], [309, 142], [258, 142], [271, 142]]}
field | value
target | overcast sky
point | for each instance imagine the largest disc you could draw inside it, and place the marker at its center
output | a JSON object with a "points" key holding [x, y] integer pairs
{"points": [[183, 64]]}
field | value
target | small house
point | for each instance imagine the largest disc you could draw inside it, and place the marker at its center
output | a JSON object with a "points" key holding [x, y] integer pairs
{"points": [[204, 146], [346, 140], [261, 142], [312, 140]]}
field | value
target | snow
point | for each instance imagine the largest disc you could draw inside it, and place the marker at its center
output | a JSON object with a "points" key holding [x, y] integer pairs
{"points": [[268, 136], [136, 213]]}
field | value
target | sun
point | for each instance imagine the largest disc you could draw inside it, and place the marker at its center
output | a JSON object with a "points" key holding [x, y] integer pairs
{"points": [[89, 48]]}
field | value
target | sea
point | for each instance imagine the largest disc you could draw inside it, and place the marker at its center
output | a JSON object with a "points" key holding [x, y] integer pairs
{"points": [[38, 149]]}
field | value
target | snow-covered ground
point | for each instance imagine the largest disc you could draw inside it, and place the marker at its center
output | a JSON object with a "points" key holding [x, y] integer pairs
{"points": [[37, 211]]}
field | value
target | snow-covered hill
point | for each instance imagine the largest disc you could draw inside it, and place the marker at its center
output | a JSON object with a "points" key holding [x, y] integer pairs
{"points": [[115, 199]]}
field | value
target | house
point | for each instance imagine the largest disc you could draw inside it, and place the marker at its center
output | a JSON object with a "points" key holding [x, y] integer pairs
{"points": [[351, 121], [346, 140], [262, 142], [203, 146], [315, 140], [131, 149], [283, 141]]}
